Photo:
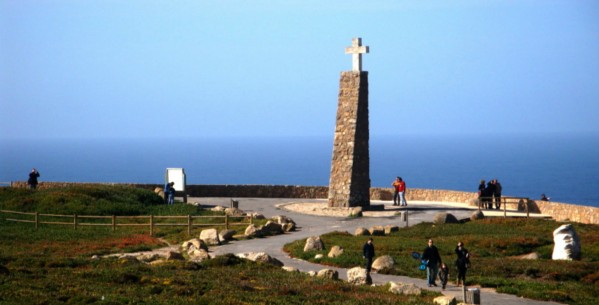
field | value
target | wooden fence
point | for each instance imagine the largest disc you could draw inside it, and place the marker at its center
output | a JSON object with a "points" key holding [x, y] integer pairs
{"points": [[522, 203], [114, 221]]}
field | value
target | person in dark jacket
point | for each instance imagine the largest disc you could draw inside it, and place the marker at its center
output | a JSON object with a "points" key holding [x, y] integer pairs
{"points": [[368, 254], [433, 260], [32, 181], [462, 262], [487, 195], [497, 193]]}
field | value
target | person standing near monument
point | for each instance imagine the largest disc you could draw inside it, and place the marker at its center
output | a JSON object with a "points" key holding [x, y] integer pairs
{"points": [[497, 193], [395, 185], [401, 188], [433, 260], [171, 193], [368, 251], [32, 181]]}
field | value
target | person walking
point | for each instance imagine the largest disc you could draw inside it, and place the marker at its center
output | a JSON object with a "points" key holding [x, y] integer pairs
{"points": [[395, 185], [368, 251], [462, 263], [433, 260], [32, 181], [401, 188]]}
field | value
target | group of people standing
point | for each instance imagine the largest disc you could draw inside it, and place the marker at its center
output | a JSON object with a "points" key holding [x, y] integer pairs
{"points": [[399, 192], [434, 263], [489, 193], [435, 266]]}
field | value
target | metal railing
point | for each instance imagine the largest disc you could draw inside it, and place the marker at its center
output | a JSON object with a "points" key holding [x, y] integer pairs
{"points": [[523, 202]]}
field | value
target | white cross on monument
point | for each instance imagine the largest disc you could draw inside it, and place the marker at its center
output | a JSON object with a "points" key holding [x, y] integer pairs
{"points": [[356, 50]]}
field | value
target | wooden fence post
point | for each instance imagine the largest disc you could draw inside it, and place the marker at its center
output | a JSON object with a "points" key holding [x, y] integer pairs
{"points": [[527, 209], [75, 221], [37, 220], [226, 221], [113, 223], [188, 225], [151, 225]]}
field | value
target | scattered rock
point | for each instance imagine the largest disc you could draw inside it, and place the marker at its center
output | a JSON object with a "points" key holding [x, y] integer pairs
{"points": [[361, 231], [313, 243], [445, 300], [318, 256], [174, 256], [260, 257], [442, 218], [210, 237], [355, 212], [235, 212], [404, 289], [384, 264], [290, 269], [328, 273], [148, 257], [272, 228], [194, 243], [226, 234], [335, 251], [358, 276], [390, 229], [218, 208], [198, 255], [252, 231], [377, 230], [311, 273], [476, 215], [256, 215]]}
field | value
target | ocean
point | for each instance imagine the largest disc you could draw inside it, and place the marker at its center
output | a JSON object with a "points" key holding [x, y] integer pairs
{"points": [[564, 167]]}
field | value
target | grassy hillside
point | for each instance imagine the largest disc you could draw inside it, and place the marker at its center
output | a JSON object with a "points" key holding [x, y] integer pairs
{"points": [[492, 243], [53, 265]]}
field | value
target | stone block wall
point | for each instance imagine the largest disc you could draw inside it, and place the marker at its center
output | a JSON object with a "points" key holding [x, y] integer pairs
{"points": [[349, 182]]}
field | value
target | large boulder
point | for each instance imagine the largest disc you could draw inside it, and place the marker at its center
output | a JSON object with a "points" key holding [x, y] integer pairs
{"points": [[445, 300], [328, 273], [235, 212], [361, 231], [260, 257], [566, 243], [252, 231], [198, 255], [390, 229], [210, 237], [355, 212], [272, 228], [194, 243], [384, 264], [358, 276], [313, 243], [442, 218], [335, 251], [286, 223], [226, 234], [377, 230], [476, 215], [404, 289]]}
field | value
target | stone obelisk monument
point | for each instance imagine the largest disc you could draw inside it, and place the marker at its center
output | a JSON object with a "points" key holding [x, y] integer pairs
{"points": [[349, 184]]}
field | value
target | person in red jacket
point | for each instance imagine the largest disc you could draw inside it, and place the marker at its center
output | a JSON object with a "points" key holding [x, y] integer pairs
{"points": [[401, 189]]}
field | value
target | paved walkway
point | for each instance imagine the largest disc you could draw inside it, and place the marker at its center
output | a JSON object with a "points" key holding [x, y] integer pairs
{"points": [[314, 225]]}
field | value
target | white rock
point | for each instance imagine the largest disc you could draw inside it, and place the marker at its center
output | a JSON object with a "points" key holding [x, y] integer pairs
{"points": [[566, 243]]}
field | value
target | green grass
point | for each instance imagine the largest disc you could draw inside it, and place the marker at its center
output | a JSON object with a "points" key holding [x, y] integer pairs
{"points": [[491, 243], [53, 265]]}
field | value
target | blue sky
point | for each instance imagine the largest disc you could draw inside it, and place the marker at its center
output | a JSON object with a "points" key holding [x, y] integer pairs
{"points": [[144, 69]]}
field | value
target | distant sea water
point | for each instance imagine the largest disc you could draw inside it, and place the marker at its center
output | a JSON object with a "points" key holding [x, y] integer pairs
{"points": [[565, 167]]}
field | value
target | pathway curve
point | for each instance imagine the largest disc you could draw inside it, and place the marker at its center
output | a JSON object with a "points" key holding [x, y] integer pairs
{"points": [[314, 225]]}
